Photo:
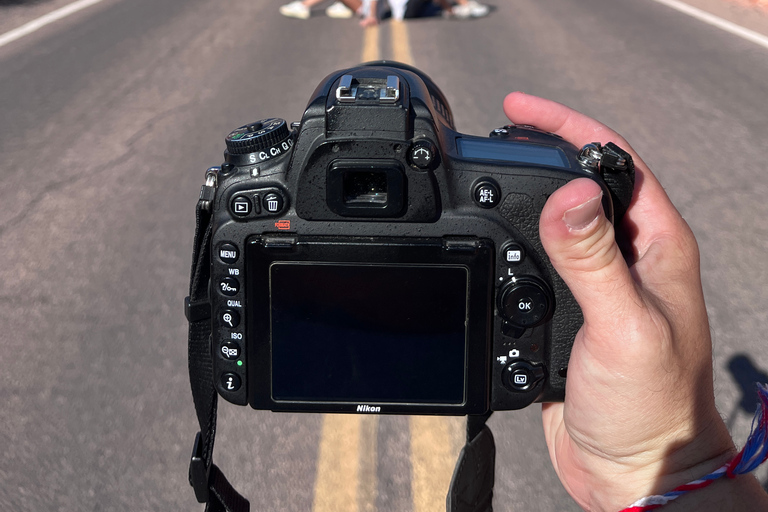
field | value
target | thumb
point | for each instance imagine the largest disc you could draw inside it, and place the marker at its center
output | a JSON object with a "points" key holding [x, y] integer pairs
{"points": [[581, 245]]}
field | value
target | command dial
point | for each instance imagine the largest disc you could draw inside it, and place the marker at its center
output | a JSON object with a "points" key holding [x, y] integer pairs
{"points": [[257, 136]]}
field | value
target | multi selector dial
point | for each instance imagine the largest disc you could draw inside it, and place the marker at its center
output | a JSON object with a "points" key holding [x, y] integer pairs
{"points": [[525, 302]]}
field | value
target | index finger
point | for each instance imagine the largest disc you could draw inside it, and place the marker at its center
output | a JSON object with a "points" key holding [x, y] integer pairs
{"points": [[651, 213]]}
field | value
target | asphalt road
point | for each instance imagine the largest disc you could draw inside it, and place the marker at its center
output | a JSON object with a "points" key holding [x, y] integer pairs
{"points": [[109, 119]]}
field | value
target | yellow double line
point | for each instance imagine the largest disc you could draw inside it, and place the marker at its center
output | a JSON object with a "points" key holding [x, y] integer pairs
{"points": [[401, 47], [347, 461]]}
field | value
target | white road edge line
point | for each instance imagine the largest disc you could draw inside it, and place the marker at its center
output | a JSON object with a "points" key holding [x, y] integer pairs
{"points": [[47, 19], [738, 30]]}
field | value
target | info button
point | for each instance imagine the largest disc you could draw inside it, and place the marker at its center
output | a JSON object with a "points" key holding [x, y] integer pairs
{"points": [[512, 253]]}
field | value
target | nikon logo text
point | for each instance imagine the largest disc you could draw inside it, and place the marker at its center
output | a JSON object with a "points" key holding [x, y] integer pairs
{"points": [[368, 408]]}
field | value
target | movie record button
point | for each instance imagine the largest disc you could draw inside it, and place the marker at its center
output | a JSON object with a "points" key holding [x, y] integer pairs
{"points": [[230, 382], [522, 376], [273, 203]]}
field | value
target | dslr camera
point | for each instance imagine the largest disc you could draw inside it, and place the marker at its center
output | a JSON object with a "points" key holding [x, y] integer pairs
{"points": [[372, 259]]}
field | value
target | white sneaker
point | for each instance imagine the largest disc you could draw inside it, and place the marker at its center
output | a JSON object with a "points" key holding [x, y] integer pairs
{"points": [[295, 10], [471, 9], [338, 10]]}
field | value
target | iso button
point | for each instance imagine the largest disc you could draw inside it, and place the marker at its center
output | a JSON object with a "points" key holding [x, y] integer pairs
{"points": [[230, 350], [525, 302]]}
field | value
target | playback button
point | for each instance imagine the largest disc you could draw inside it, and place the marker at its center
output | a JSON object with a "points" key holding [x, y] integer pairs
{"points": [[241, 206]]}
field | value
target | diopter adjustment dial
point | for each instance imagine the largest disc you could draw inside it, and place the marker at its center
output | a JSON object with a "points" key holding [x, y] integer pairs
{"points": [[258, 136]]}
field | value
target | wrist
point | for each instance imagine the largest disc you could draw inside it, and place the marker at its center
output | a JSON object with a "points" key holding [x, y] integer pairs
{"points": [[672, 462], [740, 493]]}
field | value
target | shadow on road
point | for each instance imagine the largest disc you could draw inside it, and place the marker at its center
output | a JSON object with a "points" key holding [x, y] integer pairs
{"points": [[4, 3], [747, 376]]}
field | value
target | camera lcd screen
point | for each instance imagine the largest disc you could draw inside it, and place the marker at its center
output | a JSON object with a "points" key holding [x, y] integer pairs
{"points": [[367, 333], [509, 151]]}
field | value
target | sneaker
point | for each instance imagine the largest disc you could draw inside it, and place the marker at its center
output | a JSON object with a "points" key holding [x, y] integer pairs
{"points": [[295, 10], [338, 10], [471, 9]]}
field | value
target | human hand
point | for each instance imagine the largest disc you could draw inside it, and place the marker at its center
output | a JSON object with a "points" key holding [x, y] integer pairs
{"points": [[369, 21], [639, 416]]}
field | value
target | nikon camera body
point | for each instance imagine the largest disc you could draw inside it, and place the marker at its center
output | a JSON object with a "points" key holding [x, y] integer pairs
{"points": [[371, 259]]}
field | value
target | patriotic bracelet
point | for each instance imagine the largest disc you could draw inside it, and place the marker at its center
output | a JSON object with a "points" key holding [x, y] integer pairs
{"points": [[754, 453]]}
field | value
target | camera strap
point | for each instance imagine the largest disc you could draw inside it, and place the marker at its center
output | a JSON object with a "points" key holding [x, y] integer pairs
{"points": [[210, 485], [471, 488]]}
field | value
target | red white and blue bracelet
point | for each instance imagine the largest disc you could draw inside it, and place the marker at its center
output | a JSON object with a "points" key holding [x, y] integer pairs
{"points": [[754, 453]]}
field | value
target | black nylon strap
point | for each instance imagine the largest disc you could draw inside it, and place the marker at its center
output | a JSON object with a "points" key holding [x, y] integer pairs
{"points": [[471, 487], [210, 484]]}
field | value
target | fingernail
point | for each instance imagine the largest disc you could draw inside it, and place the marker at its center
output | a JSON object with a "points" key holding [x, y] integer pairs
{"points": [[580, 217]]}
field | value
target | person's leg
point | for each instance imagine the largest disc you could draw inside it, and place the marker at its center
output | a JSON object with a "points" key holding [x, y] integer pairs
{"points": [[340, 9], [353, 4], [467, 9], [415, 8], [298, 8]]}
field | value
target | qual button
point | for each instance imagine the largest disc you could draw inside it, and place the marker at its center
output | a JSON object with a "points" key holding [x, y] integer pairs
{"points": [[229, 318]]}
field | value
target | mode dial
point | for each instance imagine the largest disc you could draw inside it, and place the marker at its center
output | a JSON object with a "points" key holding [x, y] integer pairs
{"points": [[257, 136]]}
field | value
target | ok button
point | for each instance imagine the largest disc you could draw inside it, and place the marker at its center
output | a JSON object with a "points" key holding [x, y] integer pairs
{"points": [[525, 305], [525, 302]]}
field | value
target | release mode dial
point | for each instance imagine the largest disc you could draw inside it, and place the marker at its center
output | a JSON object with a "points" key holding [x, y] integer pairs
{"points": [[258, 136]]}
